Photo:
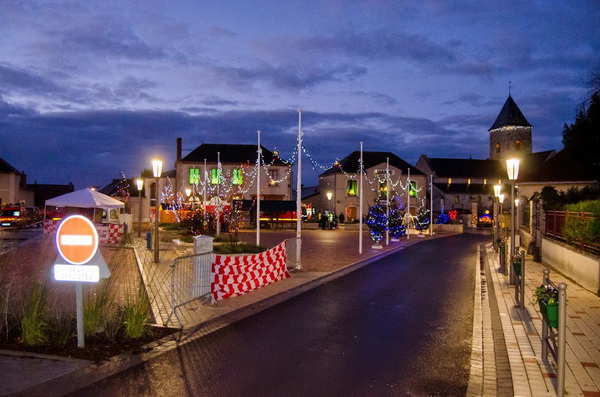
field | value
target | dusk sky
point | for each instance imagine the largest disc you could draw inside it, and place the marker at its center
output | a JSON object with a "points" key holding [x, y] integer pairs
{"points": [[92, 88]]}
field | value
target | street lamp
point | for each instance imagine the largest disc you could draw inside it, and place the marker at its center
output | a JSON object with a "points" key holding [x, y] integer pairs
{"points": [[140, 185], [512, 168], [156, 171], [329, 196]]}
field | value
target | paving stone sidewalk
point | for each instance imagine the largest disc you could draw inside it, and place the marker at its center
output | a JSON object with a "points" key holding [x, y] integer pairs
{"points": [[532, 376]]}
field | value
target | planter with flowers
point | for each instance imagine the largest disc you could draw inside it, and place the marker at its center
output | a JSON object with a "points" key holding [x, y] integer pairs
{"points": [[547, 297], [516, 263]]}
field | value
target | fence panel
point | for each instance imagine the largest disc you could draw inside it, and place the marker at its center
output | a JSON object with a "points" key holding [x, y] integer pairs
{"points": [[556, 223], [191, 278]]}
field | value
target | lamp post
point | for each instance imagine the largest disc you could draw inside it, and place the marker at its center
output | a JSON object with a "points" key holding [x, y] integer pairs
{"points": [[497, 193], [329, 196], [157, 171], [140, 185], [512, 168], [517, 213]]}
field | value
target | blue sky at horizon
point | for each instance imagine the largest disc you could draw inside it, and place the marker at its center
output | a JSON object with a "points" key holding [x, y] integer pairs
{"points": [[92, 89]]}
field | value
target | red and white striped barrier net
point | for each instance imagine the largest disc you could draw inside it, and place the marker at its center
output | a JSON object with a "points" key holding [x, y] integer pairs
{"points": [[237, 275]]}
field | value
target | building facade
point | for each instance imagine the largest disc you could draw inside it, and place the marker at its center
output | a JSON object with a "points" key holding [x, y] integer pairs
{"points": [[510, 135], [339, 186]]}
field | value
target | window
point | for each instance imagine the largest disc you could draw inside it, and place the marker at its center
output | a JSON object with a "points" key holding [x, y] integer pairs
{"points": [[215, 176], [383, 189], [518, 145], [352, 188], [497, 148], [413, 189], [237, 177], [274, 176], [194, 176]]}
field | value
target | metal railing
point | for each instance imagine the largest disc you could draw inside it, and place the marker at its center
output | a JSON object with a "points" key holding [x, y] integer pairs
{"points": [[555, 342], [191, 278], [557, 223]]}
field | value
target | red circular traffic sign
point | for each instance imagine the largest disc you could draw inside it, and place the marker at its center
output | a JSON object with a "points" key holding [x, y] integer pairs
{"points": [[77, 239]]}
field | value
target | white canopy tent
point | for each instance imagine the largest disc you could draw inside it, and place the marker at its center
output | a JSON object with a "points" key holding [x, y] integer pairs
{"points": [[85, 198]]}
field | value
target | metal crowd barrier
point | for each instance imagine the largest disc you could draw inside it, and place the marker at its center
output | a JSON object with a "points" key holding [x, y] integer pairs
{"points": [[191, 278], [555, 342]]}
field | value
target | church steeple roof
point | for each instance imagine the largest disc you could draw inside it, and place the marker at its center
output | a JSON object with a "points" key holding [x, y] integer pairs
{"points": [[510, 115]]}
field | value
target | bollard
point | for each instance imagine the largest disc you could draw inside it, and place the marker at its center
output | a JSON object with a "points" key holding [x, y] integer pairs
{"points": [[149, 240], [545, 272], [503, 256], [562, 334], [558, 349]]}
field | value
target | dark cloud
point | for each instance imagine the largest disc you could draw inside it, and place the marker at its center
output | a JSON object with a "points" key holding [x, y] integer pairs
{"points": [[380, 44], [286, 77], [26, 82], [219, 31]]}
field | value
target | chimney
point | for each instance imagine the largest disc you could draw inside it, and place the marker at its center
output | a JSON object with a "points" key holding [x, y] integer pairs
{"points": [[178, 149]]}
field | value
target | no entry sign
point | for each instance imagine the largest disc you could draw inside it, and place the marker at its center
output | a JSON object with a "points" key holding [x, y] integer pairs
{"points": [[77, 240]]}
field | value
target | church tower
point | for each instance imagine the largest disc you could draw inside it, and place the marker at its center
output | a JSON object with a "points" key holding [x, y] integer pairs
{"points": [[510, 135]]}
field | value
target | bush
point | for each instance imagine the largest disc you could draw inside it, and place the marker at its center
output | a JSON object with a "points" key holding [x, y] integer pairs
{"points": [[62, 328], [241, 248], [136, 314], [578, 229], [172, 226], [98, 307]]}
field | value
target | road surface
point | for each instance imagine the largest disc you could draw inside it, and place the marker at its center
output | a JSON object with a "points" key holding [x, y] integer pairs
{"points": [[399, 326]]}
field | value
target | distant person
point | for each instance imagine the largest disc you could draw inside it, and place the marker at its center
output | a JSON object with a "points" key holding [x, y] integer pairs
{"points": [[341, 217]]}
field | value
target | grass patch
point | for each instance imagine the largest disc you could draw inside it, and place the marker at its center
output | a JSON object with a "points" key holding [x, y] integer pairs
{"points": [[136, 314], [34, 325]]}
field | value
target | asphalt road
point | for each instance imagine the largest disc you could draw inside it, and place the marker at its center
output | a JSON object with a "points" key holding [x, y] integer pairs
{"points": [[399, 326]]}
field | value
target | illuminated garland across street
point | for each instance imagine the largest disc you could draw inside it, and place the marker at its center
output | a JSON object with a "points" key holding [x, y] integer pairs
{"points": [[227, 188]]}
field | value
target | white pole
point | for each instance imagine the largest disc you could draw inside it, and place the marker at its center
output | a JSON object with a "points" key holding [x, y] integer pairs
{"points": [[218, 193], [299, 195], [387, 201], [205, 189], [79, 311], [360, 208], [408, 207], [431, 204], [258, 159]]}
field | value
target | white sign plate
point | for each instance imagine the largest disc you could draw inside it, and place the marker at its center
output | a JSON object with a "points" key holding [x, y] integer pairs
{"points": [[80, 273]]}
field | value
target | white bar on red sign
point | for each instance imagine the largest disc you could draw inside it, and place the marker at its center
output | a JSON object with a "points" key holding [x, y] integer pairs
{"points": [[73, 239]]}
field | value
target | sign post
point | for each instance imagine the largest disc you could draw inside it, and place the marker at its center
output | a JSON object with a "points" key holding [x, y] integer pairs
{"points": [[77, 245]]}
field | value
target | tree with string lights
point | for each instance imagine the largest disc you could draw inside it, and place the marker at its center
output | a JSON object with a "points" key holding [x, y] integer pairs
{"points": [[376, 221], [122, 193]]}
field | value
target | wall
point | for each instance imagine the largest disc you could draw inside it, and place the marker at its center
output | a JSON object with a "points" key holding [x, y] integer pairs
{"points": [[578, 265], [447, 228]]}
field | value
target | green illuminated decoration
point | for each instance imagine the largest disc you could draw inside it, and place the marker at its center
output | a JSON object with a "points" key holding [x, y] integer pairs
{"points": [[215, 176], [237, 177], [413, 189], [194, 176], [352, 188]]}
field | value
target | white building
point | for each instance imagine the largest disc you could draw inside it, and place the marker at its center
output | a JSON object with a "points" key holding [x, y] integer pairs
{"points": [[342, 183]]}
